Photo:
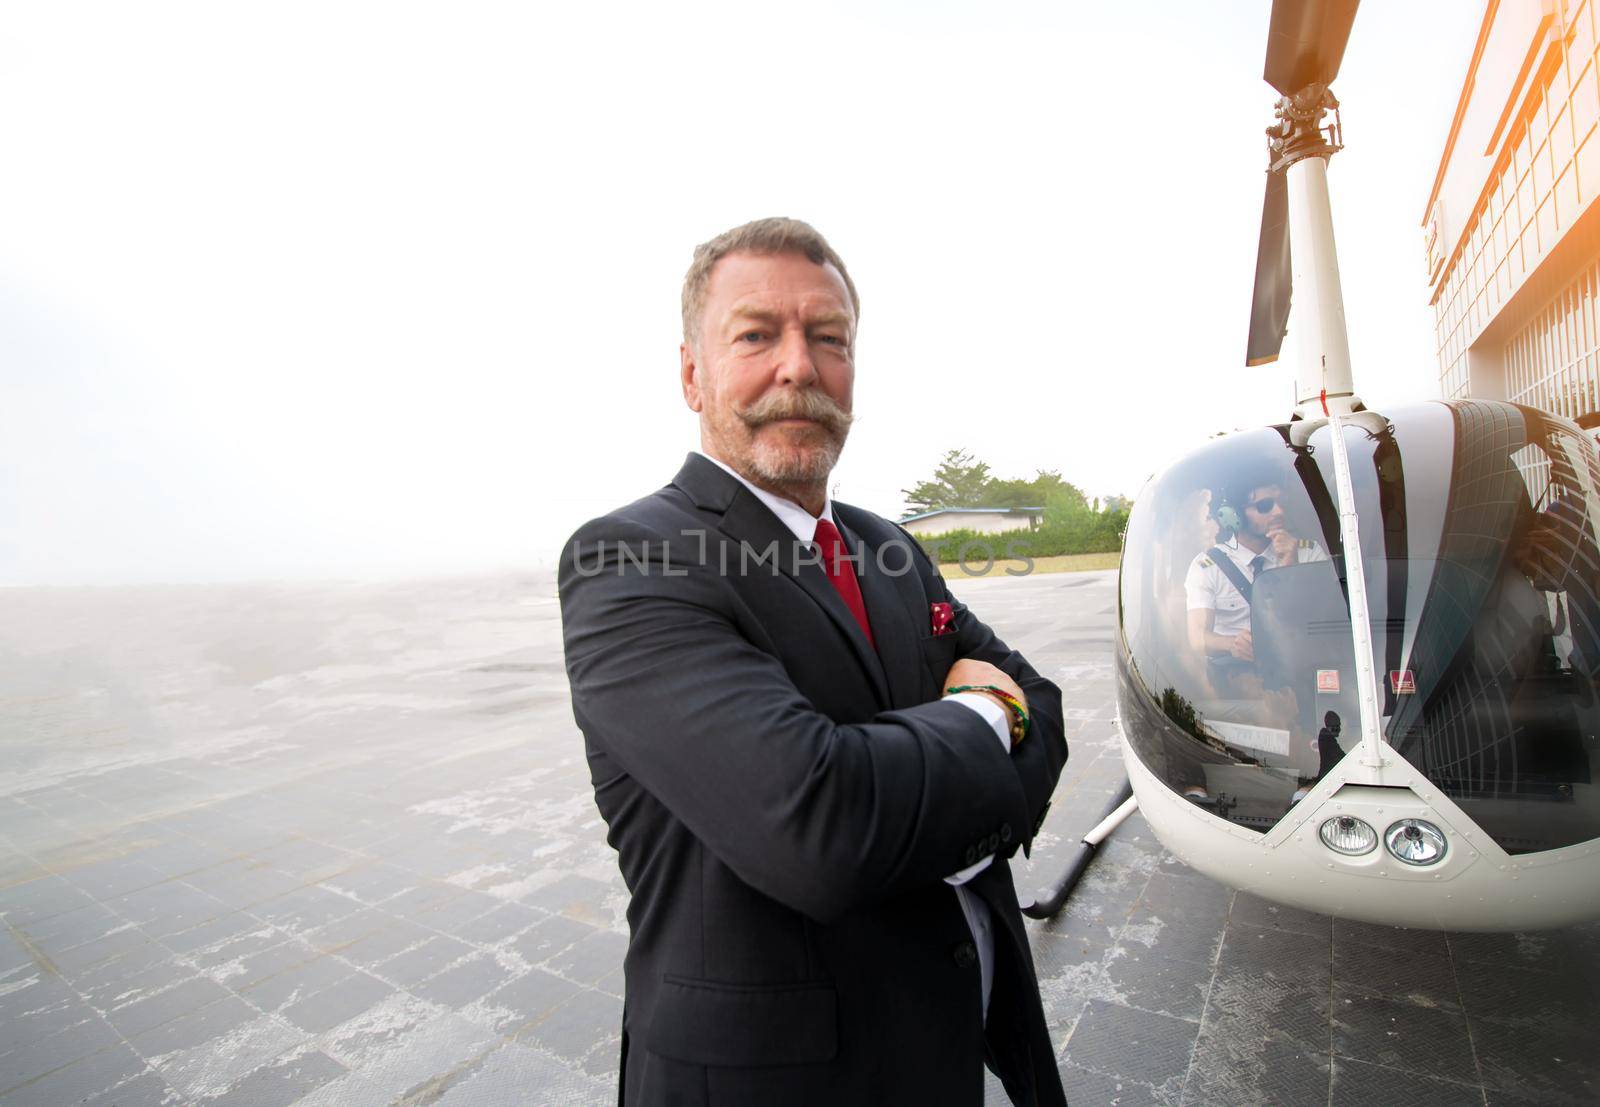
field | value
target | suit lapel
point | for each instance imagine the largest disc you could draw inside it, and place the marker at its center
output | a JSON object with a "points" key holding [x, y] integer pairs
{"points": [[747, 520]]}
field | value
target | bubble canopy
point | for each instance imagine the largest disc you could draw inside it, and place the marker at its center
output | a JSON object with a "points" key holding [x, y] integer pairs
{"points": [[1477, 522]]}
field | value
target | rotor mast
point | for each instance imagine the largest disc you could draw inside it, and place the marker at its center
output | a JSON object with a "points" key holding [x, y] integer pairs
{"points": [[1302, 147], [1305, 44]]}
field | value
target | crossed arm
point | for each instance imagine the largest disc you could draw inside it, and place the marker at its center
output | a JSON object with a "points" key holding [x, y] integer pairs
{"points": [[670, 678]]}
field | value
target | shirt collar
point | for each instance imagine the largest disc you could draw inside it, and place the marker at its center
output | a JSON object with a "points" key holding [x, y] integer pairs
{"points": [[797, 519], [1240, 553]]}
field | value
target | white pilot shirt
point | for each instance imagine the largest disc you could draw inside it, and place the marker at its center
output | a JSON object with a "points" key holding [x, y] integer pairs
{"points": [[804, 527], [1208, 589]]}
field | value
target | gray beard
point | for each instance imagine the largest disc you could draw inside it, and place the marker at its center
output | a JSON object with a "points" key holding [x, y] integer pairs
{"points": [[785, 465]]}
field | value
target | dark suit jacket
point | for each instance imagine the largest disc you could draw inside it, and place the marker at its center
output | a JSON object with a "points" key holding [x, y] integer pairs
{"points": [[786, 803]]}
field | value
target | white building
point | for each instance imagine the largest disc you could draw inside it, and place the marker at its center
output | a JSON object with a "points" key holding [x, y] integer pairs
{"points": [[1511, 227], [985, 520]]}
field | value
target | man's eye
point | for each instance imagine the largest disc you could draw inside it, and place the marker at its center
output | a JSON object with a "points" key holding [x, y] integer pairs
{"points": [[752, 336], [832, 339]]}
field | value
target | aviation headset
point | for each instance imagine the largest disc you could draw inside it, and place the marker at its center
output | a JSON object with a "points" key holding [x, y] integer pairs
{"points": [[1224, 513], [1226, 499]]}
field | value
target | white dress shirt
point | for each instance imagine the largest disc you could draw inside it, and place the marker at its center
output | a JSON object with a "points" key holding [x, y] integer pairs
{"points": [[803, 525], [1207, 588]]}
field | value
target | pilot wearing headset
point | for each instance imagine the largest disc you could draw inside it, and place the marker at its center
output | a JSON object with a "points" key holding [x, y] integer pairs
{"points": [[1254, 538]]}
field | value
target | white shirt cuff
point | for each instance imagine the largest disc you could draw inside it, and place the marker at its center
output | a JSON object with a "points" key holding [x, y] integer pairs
{"points": [[970, 871], [993, 714]]}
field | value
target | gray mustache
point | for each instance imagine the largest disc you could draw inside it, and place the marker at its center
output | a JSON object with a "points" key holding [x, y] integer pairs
{"points": [[809, 404]]}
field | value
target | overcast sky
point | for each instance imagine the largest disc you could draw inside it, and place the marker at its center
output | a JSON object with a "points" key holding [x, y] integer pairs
{"points": [[346, 290]]}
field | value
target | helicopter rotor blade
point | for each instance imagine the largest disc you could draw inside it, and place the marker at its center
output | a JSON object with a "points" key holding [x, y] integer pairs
{"points": [[1305, 42], [1269, 308]]}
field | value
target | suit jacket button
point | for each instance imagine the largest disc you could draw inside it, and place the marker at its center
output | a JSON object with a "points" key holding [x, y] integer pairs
{"points": [[966, 955], [972, 855], [992, 843], [1005, 832]]}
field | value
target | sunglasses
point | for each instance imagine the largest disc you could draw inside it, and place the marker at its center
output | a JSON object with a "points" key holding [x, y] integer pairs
{"points": [[1263, 505]]}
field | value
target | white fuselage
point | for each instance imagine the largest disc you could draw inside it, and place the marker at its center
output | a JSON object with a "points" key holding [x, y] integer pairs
{"points": [[1476, 886]]}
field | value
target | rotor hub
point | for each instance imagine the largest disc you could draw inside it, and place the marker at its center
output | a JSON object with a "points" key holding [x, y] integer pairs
{"points": [[1299, 131]]}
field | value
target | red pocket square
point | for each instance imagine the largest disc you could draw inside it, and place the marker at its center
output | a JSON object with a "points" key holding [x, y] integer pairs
{"points": [[943, 619]]}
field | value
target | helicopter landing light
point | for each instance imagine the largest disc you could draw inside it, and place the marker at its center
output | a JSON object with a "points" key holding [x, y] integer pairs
{"points": [[1377, 810], [1415, 841], [1348, 835]]}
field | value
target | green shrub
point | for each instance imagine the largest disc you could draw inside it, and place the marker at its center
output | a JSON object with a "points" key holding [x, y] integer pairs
{"points": [[1082, 532]]}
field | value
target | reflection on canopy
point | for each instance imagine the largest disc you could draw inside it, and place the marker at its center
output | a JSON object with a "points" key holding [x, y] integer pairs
{"points": [[1505, 651], [1482, 575]]}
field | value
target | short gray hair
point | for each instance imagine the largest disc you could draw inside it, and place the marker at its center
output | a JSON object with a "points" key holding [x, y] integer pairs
{"points": [[775, 235]]}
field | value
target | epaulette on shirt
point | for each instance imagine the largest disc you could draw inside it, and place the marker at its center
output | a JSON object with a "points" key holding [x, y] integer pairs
{"points": [[1307, 543], [1205, 563]]}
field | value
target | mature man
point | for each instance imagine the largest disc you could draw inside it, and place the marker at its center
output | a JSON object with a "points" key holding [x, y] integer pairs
{"points": [[813, 829]]}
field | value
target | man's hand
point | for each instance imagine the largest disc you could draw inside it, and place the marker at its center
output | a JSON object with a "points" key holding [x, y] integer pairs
{"points": [[971, 671], [1285, 547], [1241, 647]]}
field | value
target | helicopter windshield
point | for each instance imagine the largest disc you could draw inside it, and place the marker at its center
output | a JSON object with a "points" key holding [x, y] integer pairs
{"points": [[1211, 545], [1477, 535]]}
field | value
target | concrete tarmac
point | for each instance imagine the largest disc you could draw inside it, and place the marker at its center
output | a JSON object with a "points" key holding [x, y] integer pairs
{"points": [[335, 845]]}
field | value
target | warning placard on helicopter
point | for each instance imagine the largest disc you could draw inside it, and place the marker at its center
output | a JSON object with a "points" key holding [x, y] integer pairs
{"points": [[1327, 680], [1402, 682], [1262, 739]]}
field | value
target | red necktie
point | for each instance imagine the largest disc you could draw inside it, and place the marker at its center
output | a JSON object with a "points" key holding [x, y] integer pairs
{"points": [[842, 574]]}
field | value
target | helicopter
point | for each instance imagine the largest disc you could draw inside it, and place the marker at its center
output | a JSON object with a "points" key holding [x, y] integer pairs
{"points": [[1402, 725]]}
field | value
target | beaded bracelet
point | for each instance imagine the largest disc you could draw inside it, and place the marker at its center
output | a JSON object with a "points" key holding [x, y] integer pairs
{"points": [[1019, 727]]}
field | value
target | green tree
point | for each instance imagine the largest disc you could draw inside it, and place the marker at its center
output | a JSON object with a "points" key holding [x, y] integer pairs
{"points": [[1072, 522], [1045, 487], [959, 481]]}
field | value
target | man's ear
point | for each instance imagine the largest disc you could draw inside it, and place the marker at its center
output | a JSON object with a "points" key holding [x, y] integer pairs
{"points": [[689, 377]]}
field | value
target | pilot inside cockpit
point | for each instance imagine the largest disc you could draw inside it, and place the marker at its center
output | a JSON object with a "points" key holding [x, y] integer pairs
{"points": [[1254, 537]]}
